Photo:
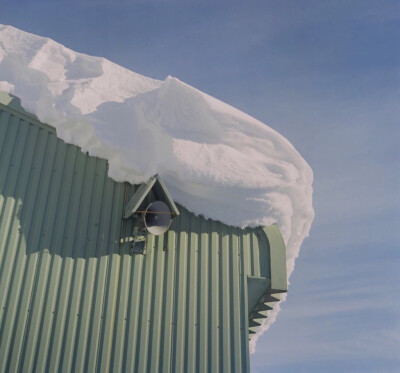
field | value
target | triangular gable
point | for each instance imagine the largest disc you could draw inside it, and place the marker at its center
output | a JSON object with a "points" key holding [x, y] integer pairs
{"points": [[157, 186]]}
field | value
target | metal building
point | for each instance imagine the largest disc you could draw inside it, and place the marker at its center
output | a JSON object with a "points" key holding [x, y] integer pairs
{"points": [[73, 296]]}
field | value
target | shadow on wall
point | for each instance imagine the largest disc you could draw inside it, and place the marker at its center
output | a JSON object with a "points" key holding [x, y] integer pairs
{"points": [[53, 197]]}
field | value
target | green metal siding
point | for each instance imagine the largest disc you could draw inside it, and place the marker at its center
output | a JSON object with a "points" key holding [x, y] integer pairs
{"points": [[73, 299]]}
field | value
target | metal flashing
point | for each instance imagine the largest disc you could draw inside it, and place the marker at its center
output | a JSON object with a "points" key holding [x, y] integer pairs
{"points": [[278, 259]]}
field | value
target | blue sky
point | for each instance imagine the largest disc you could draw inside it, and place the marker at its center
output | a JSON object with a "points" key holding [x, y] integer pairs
{"points": [[325, 74]]}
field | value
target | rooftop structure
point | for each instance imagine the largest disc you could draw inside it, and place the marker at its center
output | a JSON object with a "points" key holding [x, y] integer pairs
{"points": [[74, 296]]}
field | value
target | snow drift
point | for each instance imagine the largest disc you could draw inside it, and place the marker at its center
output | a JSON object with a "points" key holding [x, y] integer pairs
{"points": [[214, 159]]}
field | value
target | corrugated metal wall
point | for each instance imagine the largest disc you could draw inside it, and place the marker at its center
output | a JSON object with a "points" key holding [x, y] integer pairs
{"points": [[73, 300]]}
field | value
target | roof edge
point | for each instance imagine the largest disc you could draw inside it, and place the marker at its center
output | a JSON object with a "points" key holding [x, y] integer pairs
{"points": [[13, 104]]}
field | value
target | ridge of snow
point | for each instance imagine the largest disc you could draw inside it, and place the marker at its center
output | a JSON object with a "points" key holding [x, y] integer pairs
{"points": [[215, 160]]}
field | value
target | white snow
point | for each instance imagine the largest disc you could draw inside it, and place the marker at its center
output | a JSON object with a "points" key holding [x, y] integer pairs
{"points": [[215, 160]]}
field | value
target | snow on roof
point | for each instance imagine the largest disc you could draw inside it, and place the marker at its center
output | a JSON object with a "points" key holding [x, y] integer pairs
{"points": [[215, 160]]}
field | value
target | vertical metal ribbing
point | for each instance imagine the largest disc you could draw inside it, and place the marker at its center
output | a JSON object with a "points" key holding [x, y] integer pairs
{"points": [[78, 264], [235, 301], [122, 310], [192, 328], [42, 273], [11, 237], [225, 294], [95, 206], [156, 326], [73, 300], [244, 315], [6, 153], [9, 297], [145, 306], [169, 296], [66, 241], [31, 286], [14, 232], [109, 302], [214, 315], [108, 215], [132, 338], [49, 314], [203, 299], [180, 297], [4, 125]]}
